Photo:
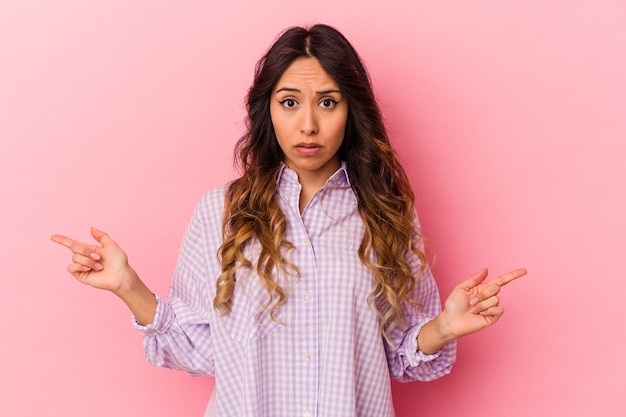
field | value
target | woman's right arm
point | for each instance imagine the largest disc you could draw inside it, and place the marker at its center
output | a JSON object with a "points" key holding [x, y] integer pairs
{"points": [[174, 336], [105, 266], [177, 333]]}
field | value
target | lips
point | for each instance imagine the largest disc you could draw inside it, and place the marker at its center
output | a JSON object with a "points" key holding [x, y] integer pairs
{"points": [[307, 149]]}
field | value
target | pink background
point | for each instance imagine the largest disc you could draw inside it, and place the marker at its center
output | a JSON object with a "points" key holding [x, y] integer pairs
{"points": [[509, 115]]}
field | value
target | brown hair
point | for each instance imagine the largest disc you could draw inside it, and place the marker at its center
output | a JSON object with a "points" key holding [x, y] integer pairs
{"points": [[385, 198]]}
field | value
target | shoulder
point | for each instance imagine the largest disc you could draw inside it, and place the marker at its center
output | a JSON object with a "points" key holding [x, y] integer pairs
{"points": [[210, 208], [214, 196]]}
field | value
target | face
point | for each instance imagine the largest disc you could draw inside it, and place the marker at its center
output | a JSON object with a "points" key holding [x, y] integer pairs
{"points": [[309, 115]]}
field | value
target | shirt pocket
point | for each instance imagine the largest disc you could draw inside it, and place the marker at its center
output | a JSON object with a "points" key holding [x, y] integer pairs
{"points": [[249, 320]]}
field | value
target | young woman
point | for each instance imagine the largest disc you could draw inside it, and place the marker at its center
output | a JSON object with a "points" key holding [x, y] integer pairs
{"points": [[302, 286]]}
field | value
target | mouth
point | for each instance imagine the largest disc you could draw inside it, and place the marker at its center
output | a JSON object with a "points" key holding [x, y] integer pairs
{"points": [[307, 148]]}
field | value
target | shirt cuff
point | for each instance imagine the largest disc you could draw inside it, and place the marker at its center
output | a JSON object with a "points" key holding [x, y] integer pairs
{"points": [[160, 318], [414, 355]]}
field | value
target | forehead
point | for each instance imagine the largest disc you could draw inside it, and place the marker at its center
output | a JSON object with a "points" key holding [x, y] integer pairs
{"points": [[306, 72]]}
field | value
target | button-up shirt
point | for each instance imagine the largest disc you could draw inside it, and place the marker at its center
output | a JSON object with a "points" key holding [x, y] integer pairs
{"points": [[324, 355]]}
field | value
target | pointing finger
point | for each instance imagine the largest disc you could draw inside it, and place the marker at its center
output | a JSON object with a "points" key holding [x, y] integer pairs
{"points": [[510, 276], [63, 240], [76, 247]]}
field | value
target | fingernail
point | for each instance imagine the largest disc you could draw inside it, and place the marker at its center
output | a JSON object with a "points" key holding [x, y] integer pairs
{"points": [[94, 256], [97, 266], [85, 268], [473, 301], [473, 310]]}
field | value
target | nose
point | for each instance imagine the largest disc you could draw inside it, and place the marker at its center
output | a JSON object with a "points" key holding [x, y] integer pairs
{"points": [[309, 121]]}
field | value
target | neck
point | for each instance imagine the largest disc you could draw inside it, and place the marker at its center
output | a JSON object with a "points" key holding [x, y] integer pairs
{"points": [[313, 181]]}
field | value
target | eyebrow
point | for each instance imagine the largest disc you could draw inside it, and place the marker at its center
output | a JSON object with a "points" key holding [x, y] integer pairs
{"points": [[295, 90]]}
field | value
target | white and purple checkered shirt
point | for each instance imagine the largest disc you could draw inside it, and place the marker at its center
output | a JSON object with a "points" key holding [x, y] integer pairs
{"points": [[329, 358]]}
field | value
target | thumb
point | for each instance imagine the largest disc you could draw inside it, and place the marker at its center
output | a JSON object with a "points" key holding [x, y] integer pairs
{"points": [[475, 279], [101, 237]]}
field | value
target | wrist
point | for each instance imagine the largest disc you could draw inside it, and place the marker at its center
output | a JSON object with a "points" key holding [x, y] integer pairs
{"points": [[129, 284], [434, 335], [443, 326], [138, 297]]}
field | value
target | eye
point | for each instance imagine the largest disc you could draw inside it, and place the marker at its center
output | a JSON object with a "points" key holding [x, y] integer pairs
{"points": [[289, 103], [328, 103]]}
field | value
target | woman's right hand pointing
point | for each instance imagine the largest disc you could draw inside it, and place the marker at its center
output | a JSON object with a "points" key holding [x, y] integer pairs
{"points": [[103, 266]]}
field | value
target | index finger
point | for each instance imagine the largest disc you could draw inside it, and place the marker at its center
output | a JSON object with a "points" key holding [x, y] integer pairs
{"points": [[510, 276], [74, 245], [63, 240]]}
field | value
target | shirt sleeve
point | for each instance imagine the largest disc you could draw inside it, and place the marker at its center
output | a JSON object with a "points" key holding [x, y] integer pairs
{"points": [[406, 362], [180, 334]]}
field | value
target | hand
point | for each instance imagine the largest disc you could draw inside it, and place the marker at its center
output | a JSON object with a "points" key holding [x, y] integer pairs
{"points": [[103, 266], [474, 304]]}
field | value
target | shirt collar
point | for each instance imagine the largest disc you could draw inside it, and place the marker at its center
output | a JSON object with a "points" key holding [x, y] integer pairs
{"points": [[287, 176]]}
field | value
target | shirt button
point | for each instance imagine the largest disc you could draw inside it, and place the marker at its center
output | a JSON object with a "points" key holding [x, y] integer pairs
{"points": [[307, 414], [306, 298], [305, 241], [307, 357]]}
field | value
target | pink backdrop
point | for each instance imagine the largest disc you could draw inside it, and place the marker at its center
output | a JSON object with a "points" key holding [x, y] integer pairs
{"points": [[509, 115]]}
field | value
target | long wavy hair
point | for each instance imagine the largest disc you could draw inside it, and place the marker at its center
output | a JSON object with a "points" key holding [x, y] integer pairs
{"points": [[385, 198]]}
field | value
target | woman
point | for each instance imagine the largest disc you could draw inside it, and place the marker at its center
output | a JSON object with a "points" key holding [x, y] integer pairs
{"points": [[302, 285]]}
